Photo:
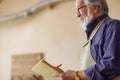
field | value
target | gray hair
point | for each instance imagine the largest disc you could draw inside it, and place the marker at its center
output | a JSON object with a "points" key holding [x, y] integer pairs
{"points": [[102, 4]]}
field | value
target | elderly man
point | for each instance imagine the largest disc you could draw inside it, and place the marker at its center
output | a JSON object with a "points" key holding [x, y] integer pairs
{"points": [[101, 56]]}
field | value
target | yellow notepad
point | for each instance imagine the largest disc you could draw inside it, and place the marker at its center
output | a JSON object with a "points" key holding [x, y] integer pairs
{"points": [[46, 70]]}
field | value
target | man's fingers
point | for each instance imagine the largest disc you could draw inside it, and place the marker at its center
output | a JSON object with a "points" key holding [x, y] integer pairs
{"points": [[59, 75], [60, 79]]}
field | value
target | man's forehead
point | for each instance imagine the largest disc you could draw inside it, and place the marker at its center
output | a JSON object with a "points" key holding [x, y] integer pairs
{"points": [[79, 2]]}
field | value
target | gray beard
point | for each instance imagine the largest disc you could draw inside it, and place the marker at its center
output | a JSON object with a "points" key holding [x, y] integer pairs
{"points": [[87, 20]]}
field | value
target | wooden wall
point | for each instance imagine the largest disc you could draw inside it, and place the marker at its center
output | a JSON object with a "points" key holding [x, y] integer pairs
{"points": [[22, 65]]}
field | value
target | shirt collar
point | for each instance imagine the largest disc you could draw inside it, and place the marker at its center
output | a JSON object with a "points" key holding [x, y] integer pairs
{"points": [[93, 24]]}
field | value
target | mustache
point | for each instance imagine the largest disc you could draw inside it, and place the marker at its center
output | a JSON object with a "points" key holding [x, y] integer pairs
{"points": [[81, 18]]}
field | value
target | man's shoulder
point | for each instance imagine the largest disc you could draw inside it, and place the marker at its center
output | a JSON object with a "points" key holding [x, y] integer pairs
{"points": [[112, 20], [112, 24]]}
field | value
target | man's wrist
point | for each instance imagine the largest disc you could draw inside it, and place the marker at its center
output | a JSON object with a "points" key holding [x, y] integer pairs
{"points": [[77, 77]]}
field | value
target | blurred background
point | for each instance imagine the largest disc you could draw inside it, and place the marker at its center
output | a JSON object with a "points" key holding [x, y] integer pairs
{"points": [[35, 29]]}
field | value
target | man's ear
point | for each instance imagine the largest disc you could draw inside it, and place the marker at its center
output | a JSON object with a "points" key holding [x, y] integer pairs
{"points": [[95, 8]]}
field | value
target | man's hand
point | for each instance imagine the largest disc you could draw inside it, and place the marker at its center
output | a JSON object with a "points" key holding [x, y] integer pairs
{"points": [[71, 75], [68, 75]]}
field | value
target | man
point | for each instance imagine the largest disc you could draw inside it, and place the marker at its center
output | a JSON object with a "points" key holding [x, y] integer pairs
{"points": [[102, 59]]}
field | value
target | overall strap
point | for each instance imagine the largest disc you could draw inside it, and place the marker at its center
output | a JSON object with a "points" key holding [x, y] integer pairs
{"points": [[96, 28]]}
